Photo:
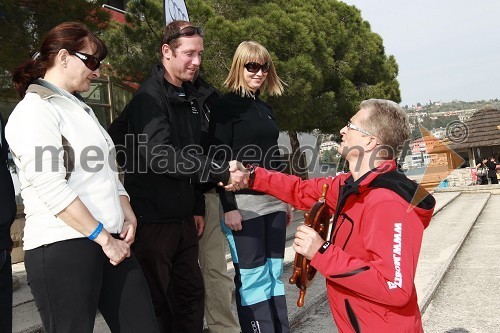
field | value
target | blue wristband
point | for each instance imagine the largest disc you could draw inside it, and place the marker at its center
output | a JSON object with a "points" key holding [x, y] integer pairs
{"points": [[96, 232]]}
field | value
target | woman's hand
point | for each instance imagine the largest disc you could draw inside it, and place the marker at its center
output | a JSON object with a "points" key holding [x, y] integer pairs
{"points": [[115, 249], [130, 223], [77, 216], [232, 219], [128, 232]]}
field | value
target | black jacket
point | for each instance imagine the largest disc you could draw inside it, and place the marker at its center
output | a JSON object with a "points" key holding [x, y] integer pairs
{"points": [[245, 129], [163, 158], [7, 200], [492, 166]]}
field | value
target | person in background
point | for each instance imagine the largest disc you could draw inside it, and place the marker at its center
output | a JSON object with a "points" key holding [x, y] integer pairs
{"points": [[165, 163], [7, 216], [244, 127], [482, 171], [212, 243], [379, 218], [492, 170], [79, 223]]}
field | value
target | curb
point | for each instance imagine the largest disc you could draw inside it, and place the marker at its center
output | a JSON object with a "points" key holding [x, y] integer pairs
{"points": [[437, 278]]}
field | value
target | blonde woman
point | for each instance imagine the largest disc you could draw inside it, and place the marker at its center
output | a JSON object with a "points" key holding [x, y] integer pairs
{"points": [[244, 128]]}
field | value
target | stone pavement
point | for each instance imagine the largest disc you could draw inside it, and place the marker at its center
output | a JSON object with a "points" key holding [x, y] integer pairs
{"points": [[468, 301]]}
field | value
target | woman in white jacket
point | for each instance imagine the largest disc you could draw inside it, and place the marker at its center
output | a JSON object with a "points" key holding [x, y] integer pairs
{"points": [[79, 223]]}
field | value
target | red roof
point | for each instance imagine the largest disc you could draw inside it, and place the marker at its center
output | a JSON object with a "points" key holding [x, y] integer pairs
{"points": [[117, 16]]}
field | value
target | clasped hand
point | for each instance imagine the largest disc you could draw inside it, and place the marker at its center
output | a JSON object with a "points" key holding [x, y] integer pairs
{"points": [[238, 178]]}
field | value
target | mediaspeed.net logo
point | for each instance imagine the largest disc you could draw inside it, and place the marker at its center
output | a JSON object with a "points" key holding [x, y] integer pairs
{"points": [[444, 160]]}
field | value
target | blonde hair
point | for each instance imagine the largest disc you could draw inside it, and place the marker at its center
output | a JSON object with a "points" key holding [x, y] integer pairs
{"points": [[246, 52]]}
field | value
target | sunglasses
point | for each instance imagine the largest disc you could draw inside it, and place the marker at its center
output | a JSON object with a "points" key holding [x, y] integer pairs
{"points": [[357, 128], [255, 67], [90, 61], [186, 31]]}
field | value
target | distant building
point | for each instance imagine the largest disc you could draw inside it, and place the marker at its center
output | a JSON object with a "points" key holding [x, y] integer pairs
{"points": [[327, 145], [478, 137], [439, 133]]}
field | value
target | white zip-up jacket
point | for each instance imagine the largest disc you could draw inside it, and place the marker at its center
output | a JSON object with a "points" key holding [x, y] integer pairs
{"points": [[34, 132]]}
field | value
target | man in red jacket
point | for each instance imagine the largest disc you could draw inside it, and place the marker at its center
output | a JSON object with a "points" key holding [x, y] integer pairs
{"points": [[371, 257]]}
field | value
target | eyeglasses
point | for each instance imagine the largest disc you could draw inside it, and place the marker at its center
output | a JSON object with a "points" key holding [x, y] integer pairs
{"points": [[92, 63], [359, 129], [186, 31], [255, 67]]}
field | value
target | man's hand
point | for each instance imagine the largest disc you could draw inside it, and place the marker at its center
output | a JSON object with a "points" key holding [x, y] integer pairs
{"points": [[232, 220], [307, 241], [200, 224], [238, 178]]}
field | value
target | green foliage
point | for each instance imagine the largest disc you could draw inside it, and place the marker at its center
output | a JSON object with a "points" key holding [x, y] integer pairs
{"points": [[136, 45], [323, 50], [23, 23], [330, 156]]}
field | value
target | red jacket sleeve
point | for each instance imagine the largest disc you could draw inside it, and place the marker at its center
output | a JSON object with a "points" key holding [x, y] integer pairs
{"points": [[391, 237], [302, 194]]}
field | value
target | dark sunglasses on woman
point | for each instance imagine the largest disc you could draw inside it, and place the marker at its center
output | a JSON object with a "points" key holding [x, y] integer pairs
{"points": [[90, 61], [186, 31], [255, 67]]}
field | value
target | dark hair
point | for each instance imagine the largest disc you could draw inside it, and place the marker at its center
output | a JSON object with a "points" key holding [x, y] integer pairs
{"points": [[73, 36], [171, 29]]}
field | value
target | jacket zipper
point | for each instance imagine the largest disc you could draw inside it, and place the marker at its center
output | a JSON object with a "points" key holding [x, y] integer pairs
{"points": [[257, 106], [352, 316], [351, 273]]}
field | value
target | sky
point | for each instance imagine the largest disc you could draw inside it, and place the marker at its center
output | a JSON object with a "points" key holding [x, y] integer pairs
{"points": [[445, 49]]}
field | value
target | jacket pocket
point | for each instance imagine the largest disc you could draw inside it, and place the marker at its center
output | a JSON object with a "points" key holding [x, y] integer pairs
{"points": [[352, 316], [343, 231]]}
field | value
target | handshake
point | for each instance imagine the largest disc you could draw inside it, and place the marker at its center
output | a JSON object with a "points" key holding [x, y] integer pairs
{"points": [[239, 177]]}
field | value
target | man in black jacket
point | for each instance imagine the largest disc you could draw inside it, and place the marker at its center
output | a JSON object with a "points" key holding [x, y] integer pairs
{"points": [[7, 215], [163, 162]]}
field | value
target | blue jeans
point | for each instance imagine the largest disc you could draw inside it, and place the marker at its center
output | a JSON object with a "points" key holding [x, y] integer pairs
{"points": [[5, 291]]}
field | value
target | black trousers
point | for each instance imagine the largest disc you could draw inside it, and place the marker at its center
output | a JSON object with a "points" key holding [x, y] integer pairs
{"points": [[5, 292], [71, 279], [168, 254]]}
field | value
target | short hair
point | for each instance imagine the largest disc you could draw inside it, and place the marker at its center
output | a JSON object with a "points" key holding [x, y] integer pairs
{"points": [[246, 52], [72, 36], [389, 122], [171, 29]]}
